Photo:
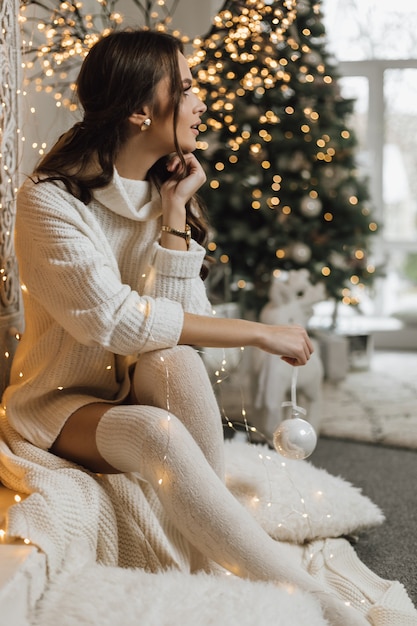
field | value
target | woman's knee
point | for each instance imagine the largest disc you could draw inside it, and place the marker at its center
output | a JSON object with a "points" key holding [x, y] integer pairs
{"points": [[137, 438], [77, 441], [170, 357], [164, 374]]}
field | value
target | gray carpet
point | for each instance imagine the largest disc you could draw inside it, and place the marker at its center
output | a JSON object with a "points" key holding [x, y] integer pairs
{"points": [[389, 477]]}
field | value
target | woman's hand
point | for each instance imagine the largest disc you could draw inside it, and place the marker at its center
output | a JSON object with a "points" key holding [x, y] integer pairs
{"points": [[292, 343], [183, 183], [175, 193]]}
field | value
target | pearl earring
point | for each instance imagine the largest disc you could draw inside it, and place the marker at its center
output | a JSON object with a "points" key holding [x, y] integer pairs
{"points": [[146, 124]]}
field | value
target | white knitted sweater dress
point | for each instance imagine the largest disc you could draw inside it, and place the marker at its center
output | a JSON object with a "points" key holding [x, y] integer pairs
{"points": [[98, 290]]}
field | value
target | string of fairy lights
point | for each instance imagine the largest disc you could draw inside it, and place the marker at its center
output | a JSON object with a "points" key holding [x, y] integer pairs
{"points": [[284, 513], [57, 36], [69, 33]]}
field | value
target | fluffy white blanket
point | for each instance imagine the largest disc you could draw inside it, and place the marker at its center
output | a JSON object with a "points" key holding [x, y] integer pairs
{"points": [[79, 519], [105, 596], [95, 595]]}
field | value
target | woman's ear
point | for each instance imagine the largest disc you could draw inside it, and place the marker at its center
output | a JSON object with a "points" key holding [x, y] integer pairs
{"points": [[140, 117]]}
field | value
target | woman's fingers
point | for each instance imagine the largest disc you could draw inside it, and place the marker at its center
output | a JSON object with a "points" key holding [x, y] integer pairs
{"points": [[292, 343], [183, 183]]}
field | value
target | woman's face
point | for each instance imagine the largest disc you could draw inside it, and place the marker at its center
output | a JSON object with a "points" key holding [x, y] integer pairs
{"points": [[189, 114]]}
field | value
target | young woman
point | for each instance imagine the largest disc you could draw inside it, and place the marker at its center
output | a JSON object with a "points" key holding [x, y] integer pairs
{"points": [[110, 247]]}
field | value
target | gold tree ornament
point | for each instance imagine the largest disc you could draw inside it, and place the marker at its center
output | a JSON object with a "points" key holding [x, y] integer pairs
{"points": [[56, 36]]}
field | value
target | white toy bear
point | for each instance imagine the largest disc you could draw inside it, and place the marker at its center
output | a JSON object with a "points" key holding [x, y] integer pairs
{"points": [[291, 299]]}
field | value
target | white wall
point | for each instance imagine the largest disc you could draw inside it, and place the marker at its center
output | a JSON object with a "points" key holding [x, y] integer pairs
{"points": [[192, 18]]}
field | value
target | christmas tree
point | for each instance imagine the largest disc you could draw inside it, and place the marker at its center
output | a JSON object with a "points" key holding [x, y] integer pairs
{"points": [[283, 189]]}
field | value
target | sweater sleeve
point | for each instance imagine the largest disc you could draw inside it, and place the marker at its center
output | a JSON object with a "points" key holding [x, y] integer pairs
{"points": [[70, 270], [175, 275]]}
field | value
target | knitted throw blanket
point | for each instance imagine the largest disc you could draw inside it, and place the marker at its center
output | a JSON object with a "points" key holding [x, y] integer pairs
{"points": [[117, 518]]}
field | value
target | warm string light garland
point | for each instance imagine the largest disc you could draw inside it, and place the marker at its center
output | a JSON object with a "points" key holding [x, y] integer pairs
{"points": [[168, 420], [15, 499], [247, 33], [222, 372], [51, 67], [255, 437], [10, 134], [56, 41], [230, 36], [275, 75], [56, 37]]}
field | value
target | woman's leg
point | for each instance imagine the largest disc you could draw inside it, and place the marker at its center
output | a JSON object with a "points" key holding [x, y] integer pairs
{"points": [[156, 444], [153, 442], [177, 380]]}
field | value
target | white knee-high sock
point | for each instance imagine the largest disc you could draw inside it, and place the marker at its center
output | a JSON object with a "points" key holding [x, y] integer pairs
{"points": [[155, 443], [336, 564], [177, 380]]}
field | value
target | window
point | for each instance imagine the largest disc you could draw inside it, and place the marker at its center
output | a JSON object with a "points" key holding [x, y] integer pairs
{"points": [[375, 43]]}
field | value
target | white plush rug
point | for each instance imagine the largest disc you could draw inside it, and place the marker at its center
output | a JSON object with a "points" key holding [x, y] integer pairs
{"points": [[378, 405], [88, 594], [293, 501], [111, 596]]}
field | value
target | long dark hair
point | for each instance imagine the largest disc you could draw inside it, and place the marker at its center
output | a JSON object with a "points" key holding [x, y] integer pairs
{"points": [[117, 78]]}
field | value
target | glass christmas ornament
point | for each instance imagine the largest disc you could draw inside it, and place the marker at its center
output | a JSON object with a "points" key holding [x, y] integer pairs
{"points": [[303, 7], [310, 207], [300, 252], [313, 58], [295, 437]]}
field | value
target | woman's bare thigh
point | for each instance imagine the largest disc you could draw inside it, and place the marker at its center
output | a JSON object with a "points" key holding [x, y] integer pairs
{"points": [[77, 440]]}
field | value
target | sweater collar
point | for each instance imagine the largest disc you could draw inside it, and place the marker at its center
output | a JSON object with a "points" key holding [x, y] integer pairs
{"points": [[141, 204]]}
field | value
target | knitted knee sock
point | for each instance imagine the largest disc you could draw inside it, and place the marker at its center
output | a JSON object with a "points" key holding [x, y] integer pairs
{"points": [[154, 443], [150, 441], [177, 380], [336, 564]]}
